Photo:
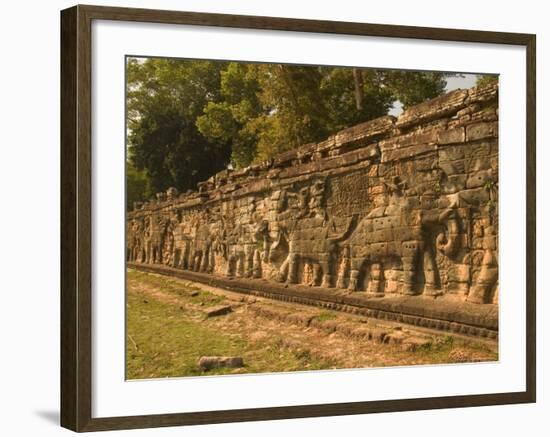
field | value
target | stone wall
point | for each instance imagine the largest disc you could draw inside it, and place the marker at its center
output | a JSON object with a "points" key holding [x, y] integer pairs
{"points": [[392, 206]]}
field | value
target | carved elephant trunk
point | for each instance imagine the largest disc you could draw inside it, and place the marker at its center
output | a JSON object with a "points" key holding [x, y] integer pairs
{"points": [[447, 244]]}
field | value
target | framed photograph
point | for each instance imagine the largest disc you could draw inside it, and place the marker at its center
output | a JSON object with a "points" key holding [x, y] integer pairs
{"points": [[268, 218]]}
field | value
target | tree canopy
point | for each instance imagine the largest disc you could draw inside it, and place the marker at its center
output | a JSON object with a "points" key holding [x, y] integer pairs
{"points": [[188, 119], [164, 99], [486, 79], [138, 186]]}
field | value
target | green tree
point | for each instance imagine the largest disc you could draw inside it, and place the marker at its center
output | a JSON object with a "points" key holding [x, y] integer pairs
{"points": [[164, 98], [229, 120], [270, 108], [138, 186], [413, 87], [486, 79], [353, 96], [293, 111]]}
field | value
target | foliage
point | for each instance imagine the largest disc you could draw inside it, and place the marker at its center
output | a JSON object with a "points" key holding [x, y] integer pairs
{"points": [[413, 87], [229, 120], [271, 108], [164, 99], [138, 186], [323, 316], [486, 79], [338, 88]]}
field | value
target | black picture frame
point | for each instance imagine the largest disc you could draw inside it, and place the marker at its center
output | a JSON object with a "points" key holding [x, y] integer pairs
{"points": [[76, 217]]}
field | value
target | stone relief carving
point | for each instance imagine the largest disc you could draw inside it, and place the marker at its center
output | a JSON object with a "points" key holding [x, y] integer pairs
{"points": [[412, 210], [399, 231]]}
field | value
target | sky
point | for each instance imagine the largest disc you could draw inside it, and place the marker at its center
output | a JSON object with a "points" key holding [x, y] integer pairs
{"points": [[467, 81]]}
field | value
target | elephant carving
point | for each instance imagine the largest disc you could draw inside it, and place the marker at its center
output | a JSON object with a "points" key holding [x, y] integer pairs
{"points": [[168, 244], [248, 246], [135, 246], [200, 259], [153, 240], [398, 232], [486, 282], [190, 245], [310, 242]]}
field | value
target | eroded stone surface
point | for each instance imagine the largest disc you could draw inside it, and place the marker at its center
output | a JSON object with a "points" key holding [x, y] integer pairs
{"points": [[385, 208]]}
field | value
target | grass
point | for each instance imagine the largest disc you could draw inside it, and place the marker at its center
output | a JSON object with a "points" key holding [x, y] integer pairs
{"points": [[441, 350], [166, 344], [167, 340], [325, 315], [196, 295]]}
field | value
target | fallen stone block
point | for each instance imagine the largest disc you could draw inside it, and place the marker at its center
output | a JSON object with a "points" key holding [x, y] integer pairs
{"points": [[208, 363], [218, 311]]}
